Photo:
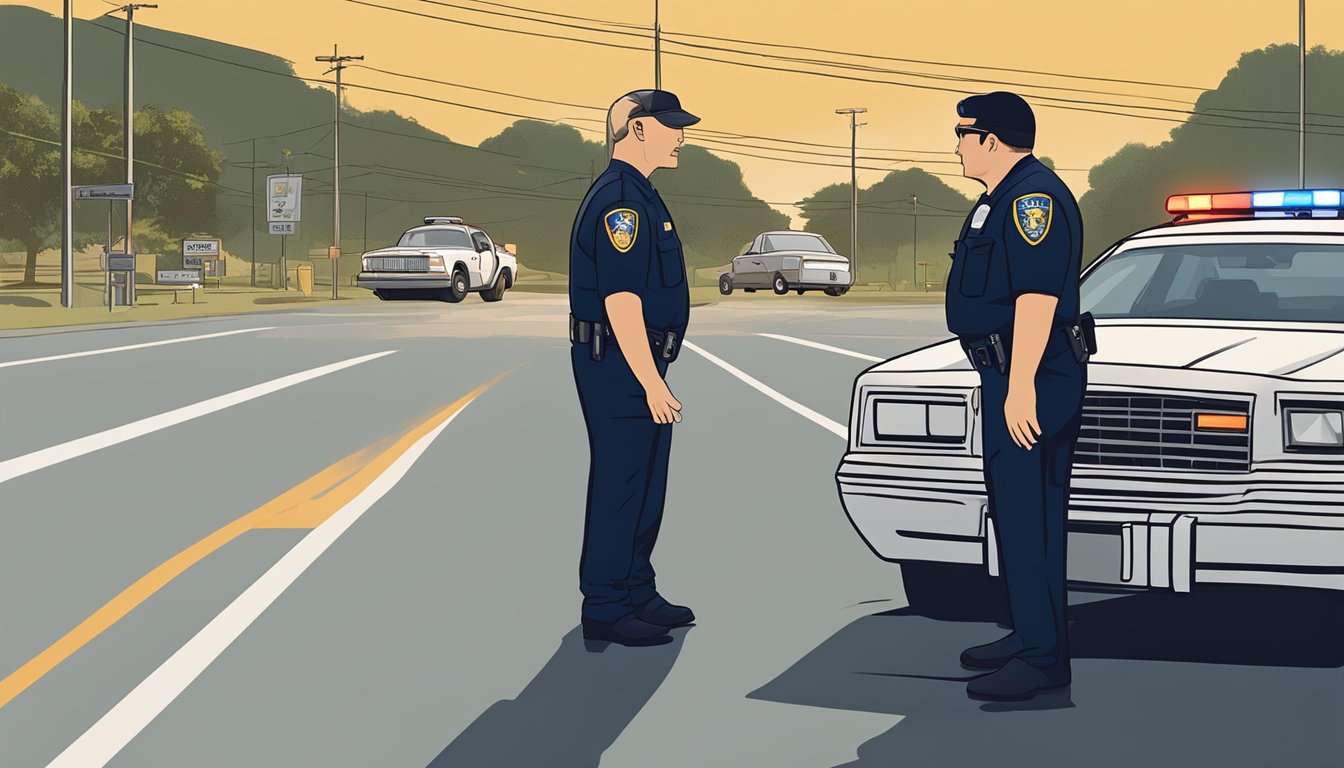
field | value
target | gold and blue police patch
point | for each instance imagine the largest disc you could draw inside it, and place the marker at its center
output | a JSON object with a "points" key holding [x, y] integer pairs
{"points": [[622, 228], [1033, 214]]}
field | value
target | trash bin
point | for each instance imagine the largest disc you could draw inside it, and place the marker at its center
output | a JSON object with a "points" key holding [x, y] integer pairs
{"points": [[305, 272]]}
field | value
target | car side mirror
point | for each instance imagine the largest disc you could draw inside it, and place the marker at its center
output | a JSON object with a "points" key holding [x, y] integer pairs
{"points": [[482, 247]]}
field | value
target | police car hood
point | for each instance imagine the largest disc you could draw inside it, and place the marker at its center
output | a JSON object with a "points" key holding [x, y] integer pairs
{"points": [[1312, 351]]}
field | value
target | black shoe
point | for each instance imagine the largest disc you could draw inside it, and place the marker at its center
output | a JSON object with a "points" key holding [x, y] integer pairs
{"points": [[991, 656], [1018, 681], [627, 630], [664, 614]]}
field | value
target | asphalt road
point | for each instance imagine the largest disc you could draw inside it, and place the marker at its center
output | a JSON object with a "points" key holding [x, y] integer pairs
{"points": [[350, 538]]}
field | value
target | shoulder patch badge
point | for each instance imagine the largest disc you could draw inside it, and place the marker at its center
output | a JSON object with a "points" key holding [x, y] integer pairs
{"points": [[622, 228], [1034, 212]]}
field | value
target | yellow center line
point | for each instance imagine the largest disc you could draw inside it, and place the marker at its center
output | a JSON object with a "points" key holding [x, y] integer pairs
{"points": [[304, 506]]}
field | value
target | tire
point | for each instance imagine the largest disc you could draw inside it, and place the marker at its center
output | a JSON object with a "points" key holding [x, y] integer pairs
{"points": [[780, 285], [726, 284], [801, 291], [835, 291], [457, 290], [953, 592], [496, 293]]}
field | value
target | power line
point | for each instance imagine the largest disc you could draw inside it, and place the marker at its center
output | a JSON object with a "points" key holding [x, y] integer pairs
{"points": [[500, 29], [608, 22], [541, 21]]}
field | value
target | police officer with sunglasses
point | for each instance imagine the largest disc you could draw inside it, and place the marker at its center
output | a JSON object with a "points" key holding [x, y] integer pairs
{"points": [[1012, 299]]}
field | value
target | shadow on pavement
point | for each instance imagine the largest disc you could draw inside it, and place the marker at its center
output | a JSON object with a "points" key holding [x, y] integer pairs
{"points": [[1227, 676], [23, 301], [570, 713]]}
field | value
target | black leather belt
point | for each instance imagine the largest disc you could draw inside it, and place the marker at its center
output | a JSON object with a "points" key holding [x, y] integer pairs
{"points": [[995, 350], [666, 343]]}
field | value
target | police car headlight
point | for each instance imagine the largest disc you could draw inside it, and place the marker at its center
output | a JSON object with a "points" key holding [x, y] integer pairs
{"points": [[899, 419], [1313, 428]]}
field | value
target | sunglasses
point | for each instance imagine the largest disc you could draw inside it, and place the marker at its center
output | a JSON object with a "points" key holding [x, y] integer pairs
{"points": [[963, 130]]}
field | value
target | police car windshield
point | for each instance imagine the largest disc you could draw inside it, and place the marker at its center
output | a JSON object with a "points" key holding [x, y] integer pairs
{"points": [[435, 238], [1230, 281], [796, 242]]}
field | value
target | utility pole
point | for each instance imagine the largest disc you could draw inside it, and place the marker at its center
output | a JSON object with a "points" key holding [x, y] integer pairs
{"points": [[657, 49], [254, 211], [130, 120], [853, 113], [338, 63], [366, 222], [284, 259], [1302, 94], [67, 194], [915, 199]]}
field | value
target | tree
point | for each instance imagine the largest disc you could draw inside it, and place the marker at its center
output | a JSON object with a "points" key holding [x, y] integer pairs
{"points": [[175, 175]]}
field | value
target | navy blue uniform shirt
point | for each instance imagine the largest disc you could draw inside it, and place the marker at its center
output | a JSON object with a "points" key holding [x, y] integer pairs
{"points": [[1027, 237], [624, 241]]}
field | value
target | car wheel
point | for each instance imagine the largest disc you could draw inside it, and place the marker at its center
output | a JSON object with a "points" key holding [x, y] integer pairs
{"points": [[457, 290], [835, 291], [781, 285], [726, 284], [496, 293], [954, 592], [801, 291]]}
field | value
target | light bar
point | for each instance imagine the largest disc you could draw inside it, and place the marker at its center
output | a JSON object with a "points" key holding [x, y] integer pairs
{"points": [[1244, 202]]}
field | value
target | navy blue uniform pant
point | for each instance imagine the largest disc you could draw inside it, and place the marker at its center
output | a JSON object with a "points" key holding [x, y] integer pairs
{"points": [[1029, 500], [627, 484]]}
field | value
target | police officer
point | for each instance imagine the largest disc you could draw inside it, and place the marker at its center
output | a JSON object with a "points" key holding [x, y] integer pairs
{"points": [[629, 303], [1012, 299]]}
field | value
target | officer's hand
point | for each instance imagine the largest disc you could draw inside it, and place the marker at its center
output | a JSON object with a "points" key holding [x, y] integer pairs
{"points": [[664, 408], [1019, 411]]}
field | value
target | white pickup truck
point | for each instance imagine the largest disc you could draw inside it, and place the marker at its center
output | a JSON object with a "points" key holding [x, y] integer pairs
{"points": [[444, 259]]}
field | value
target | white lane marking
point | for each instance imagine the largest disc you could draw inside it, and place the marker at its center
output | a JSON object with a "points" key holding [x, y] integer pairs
{"points": [[146, 345], [834, 427], [823, 347], [114, 730], [32, 462]]}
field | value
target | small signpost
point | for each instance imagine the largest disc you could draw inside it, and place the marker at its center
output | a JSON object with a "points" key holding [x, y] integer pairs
{"points": [[283, 211], [203, 254], [179, 277], [111, 193]]}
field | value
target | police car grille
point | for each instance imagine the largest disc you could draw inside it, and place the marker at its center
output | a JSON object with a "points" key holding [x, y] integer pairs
{"points": [[399, 263], [1159, 431]]}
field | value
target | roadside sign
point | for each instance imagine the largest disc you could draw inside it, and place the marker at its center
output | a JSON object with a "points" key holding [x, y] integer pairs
{"points": [[178, 277], [201, 248], [282, 227], [214, 268], [105, 192], [118, 262], [284, 198], [333, 252], [193, 262]]}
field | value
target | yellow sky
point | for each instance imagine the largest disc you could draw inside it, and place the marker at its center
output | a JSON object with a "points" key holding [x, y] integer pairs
{"points": [[1186, 42]]}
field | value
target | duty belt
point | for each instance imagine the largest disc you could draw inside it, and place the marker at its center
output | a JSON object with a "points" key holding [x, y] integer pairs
{"points": [[995, 350], [666, 343]]}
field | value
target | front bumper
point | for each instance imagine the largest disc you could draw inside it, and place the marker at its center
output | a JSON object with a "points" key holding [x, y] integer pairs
{"points": [[1162, 530], [410, 280]]}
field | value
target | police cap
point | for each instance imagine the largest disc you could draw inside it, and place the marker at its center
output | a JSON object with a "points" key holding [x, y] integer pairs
{"points": [[1003, 114], [662, 106]]}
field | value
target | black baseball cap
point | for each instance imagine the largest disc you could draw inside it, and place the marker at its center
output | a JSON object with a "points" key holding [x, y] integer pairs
{"points": [[663, 106], [1003, 114]]}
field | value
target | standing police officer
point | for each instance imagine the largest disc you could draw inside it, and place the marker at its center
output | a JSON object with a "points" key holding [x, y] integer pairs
{"points": [[629, 306], [1012, 299]]}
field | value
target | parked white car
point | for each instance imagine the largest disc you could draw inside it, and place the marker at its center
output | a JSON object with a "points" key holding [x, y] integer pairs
{"points": [[444, 259], [785, 261], [1212, 445]]}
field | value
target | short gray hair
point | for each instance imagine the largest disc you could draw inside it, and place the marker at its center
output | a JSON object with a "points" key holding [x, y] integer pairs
{"points": [[618, 117]]}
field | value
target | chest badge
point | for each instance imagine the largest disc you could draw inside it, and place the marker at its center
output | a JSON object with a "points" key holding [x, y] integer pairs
{"points": [[667, 226], [1034, 212], [622, 227]]}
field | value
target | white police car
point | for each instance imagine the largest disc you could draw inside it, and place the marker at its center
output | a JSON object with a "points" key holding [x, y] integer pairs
{"points": [[444, 259], [1212, 445]]}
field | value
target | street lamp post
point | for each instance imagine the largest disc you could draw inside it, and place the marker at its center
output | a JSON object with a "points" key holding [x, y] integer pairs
{"points": [[67, 194], [853, 113]]}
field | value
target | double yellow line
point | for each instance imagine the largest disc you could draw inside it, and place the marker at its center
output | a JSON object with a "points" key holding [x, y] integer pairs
{"points": [[305, 506]]}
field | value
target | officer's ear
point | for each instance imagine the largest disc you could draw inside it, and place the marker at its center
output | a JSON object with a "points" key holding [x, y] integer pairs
{"points": [[638, 128], [992, 141]]}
